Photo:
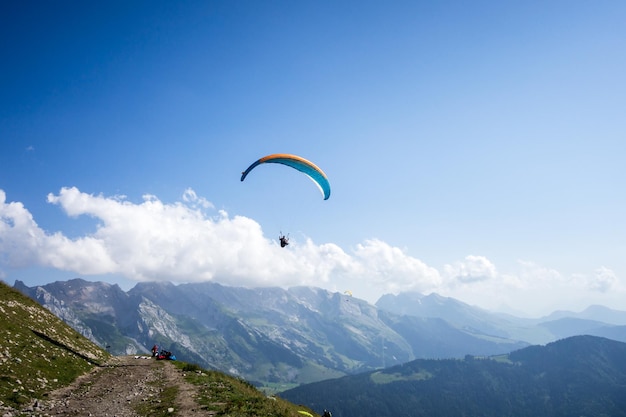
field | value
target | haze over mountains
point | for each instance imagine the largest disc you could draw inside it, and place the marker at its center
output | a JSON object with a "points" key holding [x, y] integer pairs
{"points": [[301, 334]]}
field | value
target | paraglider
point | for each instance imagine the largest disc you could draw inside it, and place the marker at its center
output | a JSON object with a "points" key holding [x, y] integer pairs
{"points": [[308, 168], [299, 163]]}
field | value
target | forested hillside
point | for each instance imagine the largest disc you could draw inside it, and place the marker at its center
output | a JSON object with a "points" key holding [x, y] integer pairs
{"points": [[578, 376]]}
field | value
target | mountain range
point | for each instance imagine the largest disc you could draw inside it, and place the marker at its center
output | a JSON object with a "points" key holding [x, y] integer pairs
{"points": [[281, 338]]}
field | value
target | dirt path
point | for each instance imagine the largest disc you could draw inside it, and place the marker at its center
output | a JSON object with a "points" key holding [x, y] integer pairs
{"points": [[118, 389]]}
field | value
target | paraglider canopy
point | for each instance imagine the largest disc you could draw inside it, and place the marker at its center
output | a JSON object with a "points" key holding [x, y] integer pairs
{"points": [[299, 163]]}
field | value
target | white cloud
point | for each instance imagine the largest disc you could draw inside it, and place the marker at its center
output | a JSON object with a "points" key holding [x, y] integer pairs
{"points": [[177, 242], [603, 280], [471, 269], [532, 275], [184, 242], [190, 197], [190, 241], [19, 234], [530, 288], [391, 270]]}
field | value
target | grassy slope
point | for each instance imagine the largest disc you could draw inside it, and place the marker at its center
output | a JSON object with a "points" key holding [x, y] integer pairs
{"points": [[221, 395], [225, 395], [38, 352]]}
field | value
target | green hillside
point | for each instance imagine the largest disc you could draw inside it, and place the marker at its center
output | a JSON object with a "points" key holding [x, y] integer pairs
{"points": [[38, 352], [578, 376]]}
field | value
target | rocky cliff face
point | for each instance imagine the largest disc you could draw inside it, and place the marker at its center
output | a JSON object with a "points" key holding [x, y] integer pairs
{"points": [[59, 309]]}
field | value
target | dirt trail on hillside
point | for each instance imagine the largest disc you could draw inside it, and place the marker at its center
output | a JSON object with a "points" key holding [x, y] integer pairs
{"points": [[118, 388]]}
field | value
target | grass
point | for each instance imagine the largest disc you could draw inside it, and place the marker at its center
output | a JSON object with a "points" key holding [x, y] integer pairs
{"points": [[228, 396], [158, 407], [386, 378], [38, 351]]}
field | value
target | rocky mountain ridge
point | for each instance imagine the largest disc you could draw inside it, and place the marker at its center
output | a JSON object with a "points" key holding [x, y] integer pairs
{"points": [[284, 336]]}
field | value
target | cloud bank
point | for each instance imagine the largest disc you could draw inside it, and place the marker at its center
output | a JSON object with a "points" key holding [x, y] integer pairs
{"points": [[191, 241]]}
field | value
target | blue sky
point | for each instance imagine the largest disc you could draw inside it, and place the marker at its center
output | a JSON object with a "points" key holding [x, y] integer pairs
{"points": [[474, 149]]}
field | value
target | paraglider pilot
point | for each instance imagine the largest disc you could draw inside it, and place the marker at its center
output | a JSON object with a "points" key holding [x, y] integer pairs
{"points": [[284, 241]]}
